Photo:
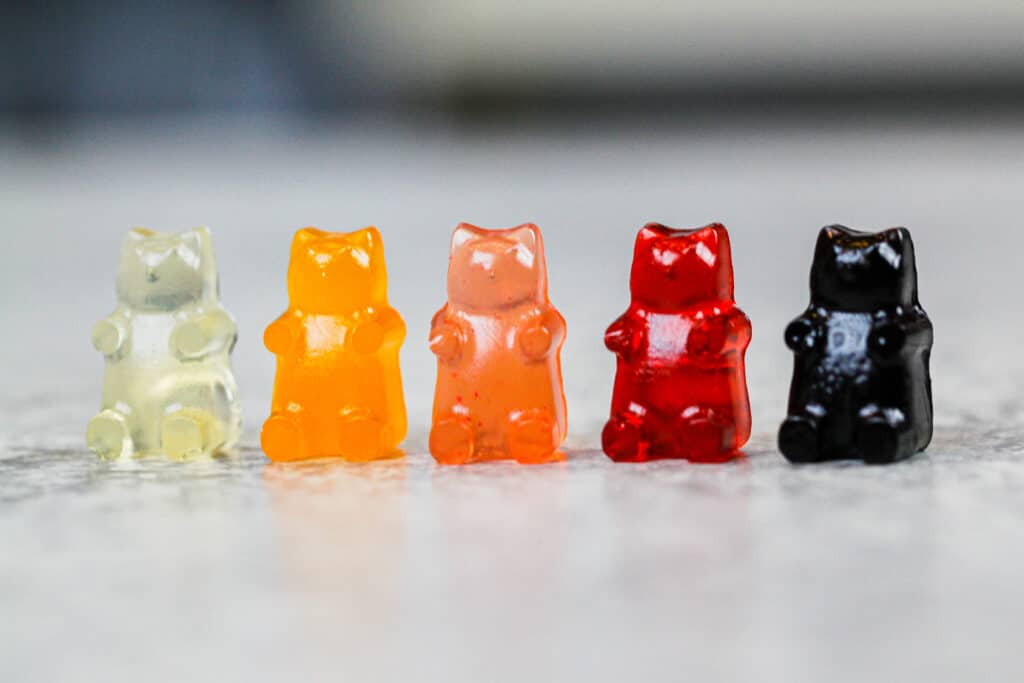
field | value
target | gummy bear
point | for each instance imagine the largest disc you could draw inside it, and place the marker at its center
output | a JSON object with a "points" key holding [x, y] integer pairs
{"points": [[338, 390], [861, 387], [168, 385], [499, 380], [680, 384]]}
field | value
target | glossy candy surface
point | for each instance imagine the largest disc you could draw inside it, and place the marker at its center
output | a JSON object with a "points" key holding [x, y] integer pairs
{"points": [[861, 387], [680, 383], [499, 381], [168, 386], [338, 389]]}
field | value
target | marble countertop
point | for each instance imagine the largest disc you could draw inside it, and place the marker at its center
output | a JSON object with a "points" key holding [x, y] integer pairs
{"points": [[240, 570]]}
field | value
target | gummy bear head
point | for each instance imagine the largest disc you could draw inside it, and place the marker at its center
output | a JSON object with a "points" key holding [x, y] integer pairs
{"points": [[496, 269], [675, 269], [165, 271], [863, 271], [337, 272]]}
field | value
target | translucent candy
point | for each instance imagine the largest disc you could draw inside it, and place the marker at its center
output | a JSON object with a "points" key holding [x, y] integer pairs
{"points": [[680, 385], [338, 391], [168, 385], [861, 386], [499, 381]]}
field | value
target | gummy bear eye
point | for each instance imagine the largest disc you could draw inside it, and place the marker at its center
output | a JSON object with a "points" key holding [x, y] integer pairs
{"points": [[360, 257], [665, 257], [705, 254], [186, 255], [848, 257], [523, 255], [484, 260], [889, 255]]}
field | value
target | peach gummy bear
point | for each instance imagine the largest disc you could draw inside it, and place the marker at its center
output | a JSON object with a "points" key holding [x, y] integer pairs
{"points": [[499, 381], [338, 390]]}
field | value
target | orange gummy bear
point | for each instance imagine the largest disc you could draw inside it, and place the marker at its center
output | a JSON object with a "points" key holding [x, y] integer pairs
{"points": [[499, 380], [338, 390]]}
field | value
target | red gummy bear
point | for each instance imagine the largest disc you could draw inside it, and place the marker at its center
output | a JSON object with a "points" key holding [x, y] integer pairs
{"points": [[680, 384]]}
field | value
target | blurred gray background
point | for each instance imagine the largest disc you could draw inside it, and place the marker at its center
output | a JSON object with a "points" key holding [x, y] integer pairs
{"points": [[258, 118], [328, 57]]}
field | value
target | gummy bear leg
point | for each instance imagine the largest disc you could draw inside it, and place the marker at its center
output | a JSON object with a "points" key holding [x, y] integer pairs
{"points": [[359, 437], [108, 436], [798, 439], [452, 441], [880, 441], [283, 438], [623, 440], [703, 436], [532, 439], [186, 434]]}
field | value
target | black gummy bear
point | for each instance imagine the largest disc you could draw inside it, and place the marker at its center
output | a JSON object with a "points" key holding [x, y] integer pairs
{"points": [[861, 387]]}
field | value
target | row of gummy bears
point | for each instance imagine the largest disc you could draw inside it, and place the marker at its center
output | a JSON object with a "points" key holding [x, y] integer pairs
{"points": [[860, 388]]}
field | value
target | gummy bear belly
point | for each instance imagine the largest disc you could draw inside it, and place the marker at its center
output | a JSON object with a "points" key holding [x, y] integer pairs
{"points": [[491, 389], [670, 391], [322, 388], [146, 389]]}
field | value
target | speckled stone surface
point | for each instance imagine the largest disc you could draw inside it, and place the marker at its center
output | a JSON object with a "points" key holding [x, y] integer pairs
{"points": [[239, 570]]}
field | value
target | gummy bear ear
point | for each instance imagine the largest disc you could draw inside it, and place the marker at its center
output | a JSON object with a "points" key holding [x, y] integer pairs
{"points": [[368, 239], [304, 236], [198, 236], [653, 231], [647, 237], [717, 230], [898, 237], [307, 234], [139, 234], [200, 242], [834, 233], [465, 232], [830, 239], [898, 248], [528, 235], [713, 238], [203, 241]]}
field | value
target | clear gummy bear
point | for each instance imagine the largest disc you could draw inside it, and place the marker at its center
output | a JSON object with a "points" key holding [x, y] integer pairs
{"points": [[168, 386]]}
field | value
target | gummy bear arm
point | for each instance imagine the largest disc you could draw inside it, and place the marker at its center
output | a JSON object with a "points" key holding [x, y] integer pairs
{"points": [[372, 330], [202, 334], [620, 338], [394, 326], [540, 333], [718, 335], [222, 328], [280, 334], [439, 317], [890, 339], [555, 324], [447, 336], [738, 330], [919, 331], [802, 334], [110, 335]]}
